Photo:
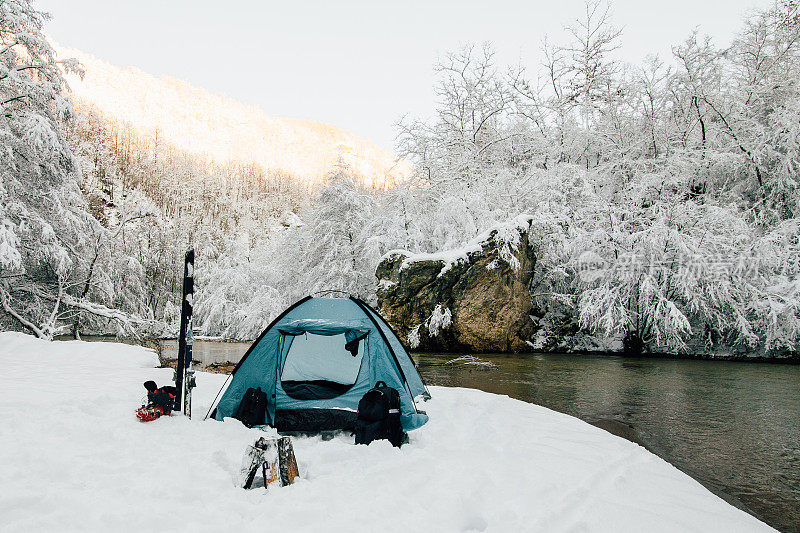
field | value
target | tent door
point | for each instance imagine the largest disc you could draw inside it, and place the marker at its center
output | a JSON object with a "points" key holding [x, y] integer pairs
{"points": [[320, 367]]}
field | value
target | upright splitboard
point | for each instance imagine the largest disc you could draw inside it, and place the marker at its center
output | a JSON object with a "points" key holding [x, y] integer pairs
{"points": [[184, 375], [274, 458]]}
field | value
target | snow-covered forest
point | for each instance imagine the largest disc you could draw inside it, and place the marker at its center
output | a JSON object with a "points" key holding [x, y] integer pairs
{"points": [[681, 176]]}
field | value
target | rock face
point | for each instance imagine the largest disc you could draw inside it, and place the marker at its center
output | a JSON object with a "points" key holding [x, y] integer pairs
{"points": [[475, 299]]}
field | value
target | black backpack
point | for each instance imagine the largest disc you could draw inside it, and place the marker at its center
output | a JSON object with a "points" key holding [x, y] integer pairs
{"points": [[252, 411], [165, 397], [379, 416]]}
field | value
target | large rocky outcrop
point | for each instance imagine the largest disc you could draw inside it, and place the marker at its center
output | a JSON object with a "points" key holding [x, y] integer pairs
{"points": [[474, 299]]}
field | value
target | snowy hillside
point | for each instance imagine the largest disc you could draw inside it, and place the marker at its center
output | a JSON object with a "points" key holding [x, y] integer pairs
{"points": [[76, 458], [221, 129]]}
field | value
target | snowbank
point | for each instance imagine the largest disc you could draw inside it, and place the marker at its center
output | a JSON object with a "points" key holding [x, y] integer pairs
{"points": [[74, 457]]}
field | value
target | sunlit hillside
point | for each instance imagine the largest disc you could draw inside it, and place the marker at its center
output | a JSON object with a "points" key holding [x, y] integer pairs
{"points": [[221, 129]]}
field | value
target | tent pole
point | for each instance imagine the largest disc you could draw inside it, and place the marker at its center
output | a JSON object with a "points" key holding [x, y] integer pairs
{"points": [[217, 396]]}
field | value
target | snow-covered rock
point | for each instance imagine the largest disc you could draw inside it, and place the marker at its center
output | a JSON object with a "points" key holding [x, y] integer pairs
{"points": [[74, 457], [474, 298]]}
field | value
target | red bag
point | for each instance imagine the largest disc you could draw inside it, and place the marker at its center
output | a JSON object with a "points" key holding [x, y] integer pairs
{"points": [[159, 402], [149, 413]]}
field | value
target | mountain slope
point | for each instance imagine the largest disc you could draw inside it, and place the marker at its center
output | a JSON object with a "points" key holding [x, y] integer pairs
{"points": [[220, 129]]}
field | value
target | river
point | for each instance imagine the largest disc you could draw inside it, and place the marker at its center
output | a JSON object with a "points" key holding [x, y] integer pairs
{"points": [[733, 426]]}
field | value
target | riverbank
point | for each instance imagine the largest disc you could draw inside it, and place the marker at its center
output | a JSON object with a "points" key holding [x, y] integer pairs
{"points": [[788, 358], [167, 348], [733, 426], [483, 462]]}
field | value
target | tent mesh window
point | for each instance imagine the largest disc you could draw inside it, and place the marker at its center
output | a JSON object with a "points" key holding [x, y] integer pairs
{"points": [[319, 367]]}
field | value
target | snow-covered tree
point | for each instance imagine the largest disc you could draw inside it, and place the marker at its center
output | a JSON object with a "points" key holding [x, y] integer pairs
{"points": [[671, 174], [590, 73], [329, 248], [686, 169], [42, 213]]}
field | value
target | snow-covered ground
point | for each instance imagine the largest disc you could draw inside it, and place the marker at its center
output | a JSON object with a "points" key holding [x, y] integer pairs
{"points": [[74, 457]]}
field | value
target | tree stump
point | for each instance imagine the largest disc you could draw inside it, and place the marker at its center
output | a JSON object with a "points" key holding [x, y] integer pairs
{"points": [[287, 464], [274, 457]]}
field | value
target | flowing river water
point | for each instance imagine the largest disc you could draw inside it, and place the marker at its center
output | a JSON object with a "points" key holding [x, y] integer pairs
{"points": [[733, 426]]}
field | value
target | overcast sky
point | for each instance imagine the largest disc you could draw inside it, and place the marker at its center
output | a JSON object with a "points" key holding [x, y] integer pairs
{"points": [[357, 64]]}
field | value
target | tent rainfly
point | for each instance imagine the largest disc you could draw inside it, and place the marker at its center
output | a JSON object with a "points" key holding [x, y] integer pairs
{"points": [[315, 362]]}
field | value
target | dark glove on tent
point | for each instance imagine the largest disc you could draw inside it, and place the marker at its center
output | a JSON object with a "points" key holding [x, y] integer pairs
{"points": [[352, 346]]}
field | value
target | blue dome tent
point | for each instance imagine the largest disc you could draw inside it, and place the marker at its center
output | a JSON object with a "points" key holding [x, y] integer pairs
{"points": [[315, 362]]}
